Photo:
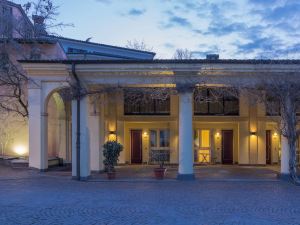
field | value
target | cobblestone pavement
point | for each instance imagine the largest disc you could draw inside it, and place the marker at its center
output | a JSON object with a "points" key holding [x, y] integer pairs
{"points": [[39, 199], [211, 172]]}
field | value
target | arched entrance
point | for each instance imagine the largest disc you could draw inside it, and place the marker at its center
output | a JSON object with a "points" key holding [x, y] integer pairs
{"points": [[58, 129], [39, 95]]}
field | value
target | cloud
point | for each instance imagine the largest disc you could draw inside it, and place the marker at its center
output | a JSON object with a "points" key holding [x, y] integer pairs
{"points": [[169, 45], [136, 12], [285, 12], [180, 21], [220, 29], [104, 1], [263, 2], [177, 21], [260, 45]]}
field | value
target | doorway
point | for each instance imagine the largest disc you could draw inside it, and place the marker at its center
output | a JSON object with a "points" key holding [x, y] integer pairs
{"points": [[202, 146], [227, 146], [268, 147], [136, 147]]}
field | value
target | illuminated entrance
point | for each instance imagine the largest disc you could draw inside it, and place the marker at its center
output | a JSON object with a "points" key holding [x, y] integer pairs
{"points": [[202, 146]]}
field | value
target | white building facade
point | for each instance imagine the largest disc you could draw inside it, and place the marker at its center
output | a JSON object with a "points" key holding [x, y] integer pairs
{"points": [[236, 132]]}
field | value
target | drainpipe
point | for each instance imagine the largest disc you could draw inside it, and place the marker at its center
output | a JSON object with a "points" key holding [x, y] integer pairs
{"points": [[78, 97]]}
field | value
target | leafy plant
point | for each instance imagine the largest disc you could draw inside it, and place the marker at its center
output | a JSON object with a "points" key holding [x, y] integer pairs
{"points": [[111, 153]]}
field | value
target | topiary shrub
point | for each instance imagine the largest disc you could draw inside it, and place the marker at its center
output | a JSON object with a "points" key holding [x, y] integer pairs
{"points": [[111, 153]]}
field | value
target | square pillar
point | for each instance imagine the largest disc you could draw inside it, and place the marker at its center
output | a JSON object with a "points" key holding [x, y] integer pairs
{"points": [[94, 125], [185, 169], [84, 134], [285, 157], [38, 155]]}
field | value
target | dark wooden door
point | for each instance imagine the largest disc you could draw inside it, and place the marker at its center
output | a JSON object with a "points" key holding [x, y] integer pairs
{"points": [[268, 147], [136, 146], [227, 146]]}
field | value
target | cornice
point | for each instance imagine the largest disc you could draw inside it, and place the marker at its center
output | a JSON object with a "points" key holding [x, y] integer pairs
{"points": [[41, 70]]}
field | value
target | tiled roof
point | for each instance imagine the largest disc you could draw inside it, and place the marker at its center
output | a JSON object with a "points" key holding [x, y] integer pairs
{"points": [[99, 44], [172, 61]]}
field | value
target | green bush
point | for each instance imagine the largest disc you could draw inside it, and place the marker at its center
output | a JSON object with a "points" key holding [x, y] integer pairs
{"points": [[111, 153]]}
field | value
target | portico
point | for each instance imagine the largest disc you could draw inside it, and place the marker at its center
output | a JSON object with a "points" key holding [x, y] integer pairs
{"points": [[190, 137]]}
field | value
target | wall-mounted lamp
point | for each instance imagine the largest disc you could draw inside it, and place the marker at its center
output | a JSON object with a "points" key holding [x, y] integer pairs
{"points": [[218, 135], [145, 134], [112, 136], [252, 133]]}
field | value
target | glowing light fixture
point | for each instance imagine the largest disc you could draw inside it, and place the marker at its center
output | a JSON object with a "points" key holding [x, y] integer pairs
{"points": [[252, 133], [145, 134], [112, 136], [218, 135], [20, 150]]}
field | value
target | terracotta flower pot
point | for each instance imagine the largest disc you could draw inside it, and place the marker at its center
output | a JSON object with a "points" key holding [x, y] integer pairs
{"points": [[160, 173], [111, 175]]}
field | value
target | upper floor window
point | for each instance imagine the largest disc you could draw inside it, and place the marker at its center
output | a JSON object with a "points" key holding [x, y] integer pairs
{"points": [[142, 103], [215, 102], [272, 106]]}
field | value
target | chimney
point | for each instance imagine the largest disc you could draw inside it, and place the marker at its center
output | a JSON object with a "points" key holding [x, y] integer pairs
{"points": [[212, 56], [39, 25]]}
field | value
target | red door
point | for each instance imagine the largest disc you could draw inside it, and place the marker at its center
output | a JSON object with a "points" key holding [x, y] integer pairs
{"points": [[268, 147], [136, 146], [227, 146]]}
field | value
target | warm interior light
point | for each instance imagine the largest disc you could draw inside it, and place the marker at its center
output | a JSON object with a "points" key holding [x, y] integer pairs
{"points": [[145, 133], [20, 150], [205, 138], [275, 134], [252, 133], [112, 136], [218, 135]]}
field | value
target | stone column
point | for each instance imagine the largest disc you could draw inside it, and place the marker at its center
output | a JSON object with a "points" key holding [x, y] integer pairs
{"points": [[38, 155], [84, 139], [285, 155], [185, 169]]}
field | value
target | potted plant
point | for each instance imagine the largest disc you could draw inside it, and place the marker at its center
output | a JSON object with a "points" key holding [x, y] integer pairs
{"points": [[160, 157], [111, 153]]}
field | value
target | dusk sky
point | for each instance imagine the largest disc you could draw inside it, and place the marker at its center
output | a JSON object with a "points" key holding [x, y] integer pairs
{"points": [[231, 28]]}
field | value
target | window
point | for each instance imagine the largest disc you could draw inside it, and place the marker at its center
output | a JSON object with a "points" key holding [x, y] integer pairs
{"points": [[153, 138], [214, 102], [272, 106], [164, 138], [159, 144], [139, 103], [160, 138]]}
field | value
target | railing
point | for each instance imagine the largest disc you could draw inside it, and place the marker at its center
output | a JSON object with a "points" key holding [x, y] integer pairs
{"points": [[156, 156]]}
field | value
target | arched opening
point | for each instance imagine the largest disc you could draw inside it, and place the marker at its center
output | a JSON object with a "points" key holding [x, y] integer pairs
{"points": [[58, 129]]}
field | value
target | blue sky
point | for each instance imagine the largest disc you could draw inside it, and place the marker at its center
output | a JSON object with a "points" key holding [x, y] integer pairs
{"points": [[232, 28]]}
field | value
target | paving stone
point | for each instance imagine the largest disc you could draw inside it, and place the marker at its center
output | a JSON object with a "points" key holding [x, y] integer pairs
{"points": [[52, 199]]}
